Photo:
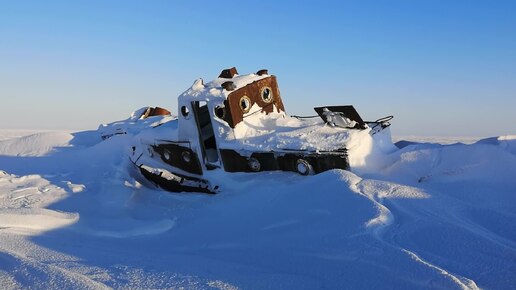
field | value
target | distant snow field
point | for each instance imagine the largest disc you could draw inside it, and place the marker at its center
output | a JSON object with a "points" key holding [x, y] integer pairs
{"points": [[15, 133], [440, 214], [445, 140]]}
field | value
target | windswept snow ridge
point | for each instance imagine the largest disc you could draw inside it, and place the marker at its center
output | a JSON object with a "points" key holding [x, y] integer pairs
{"points": [[424, 216], [21, 205], [34, 145]]}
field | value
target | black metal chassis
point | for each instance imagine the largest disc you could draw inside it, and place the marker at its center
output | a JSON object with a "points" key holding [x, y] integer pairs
{"points": [[235, 161]]}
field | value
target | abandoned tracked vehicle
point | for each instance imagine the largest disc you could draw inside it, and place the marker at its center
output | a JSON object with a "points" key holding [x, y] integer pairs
{"points": [[238, 123]]}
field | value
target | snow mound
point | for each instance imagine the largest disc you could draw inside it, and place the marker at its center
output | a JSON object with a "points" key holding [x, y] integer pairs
{"points": [[38, 144], [21, 205], [424, 216], [34, 221], [491, 160]]}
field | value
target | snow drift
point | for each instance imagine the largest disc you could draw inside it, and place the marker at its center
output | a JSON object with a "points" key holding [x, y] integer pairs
{"points": [[427, 216]]}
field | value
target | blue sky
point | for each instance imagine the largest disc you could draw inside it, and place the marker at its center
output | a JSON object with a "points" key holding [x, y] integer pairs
{"points": [[445, 68]]}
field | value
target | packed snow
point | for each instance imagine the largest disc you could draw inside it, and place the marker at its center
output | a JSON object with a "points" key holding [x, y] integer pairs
{"points": [[427, 216], [214, 90]]}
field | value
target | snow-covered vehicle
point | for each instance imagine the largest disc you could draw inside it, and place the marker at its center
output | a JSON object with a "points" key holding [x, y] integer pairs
{"points": [[238, 123]]}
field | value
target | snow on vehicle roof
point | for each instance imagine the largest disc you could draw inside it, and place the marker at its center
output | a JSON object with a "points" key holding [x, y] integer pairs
{"points": [[269, 132], [214, 89]]}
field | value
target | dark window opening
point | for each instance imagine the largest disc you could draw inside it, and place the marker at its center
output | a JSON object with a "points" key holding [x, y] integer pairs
{"points": [[206, 133]]}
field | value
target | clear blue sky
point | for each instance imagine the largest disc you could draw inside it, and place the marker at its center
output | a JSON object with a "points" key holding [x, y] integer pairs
{"points": [[441, 67]]}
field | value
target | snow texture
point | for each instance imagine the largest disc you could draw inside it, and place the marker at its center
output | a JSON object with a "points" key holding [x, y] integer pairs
{"points": [[424, 216]]}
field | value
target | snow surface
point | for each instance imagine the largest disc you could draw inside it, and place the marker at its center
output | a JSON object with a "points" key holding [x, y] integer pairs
{"points": [[214, 90], [432, 216]]}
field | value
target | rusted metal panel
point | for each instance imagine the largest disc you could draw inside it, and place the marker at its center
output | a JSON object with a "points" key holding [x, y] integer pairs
{"points": [[154, 112], [228, 117], [159, 112], [262, 72], [228, 73], [254, 92]]}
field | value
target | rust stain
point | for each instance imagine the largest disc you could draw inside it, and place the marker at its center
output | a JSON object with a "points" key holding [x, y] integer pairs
{"points": [[253, 91], [262, 72], [154, 112], [228, 73]]}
